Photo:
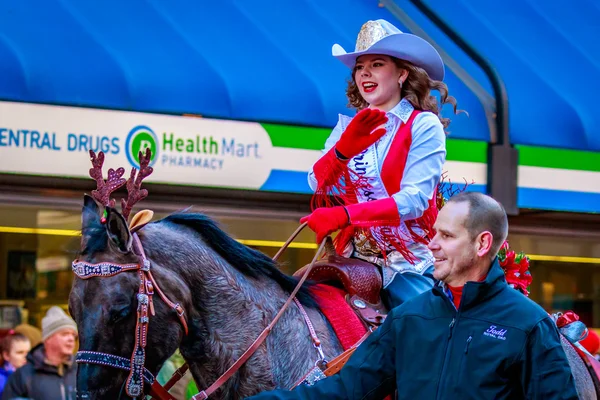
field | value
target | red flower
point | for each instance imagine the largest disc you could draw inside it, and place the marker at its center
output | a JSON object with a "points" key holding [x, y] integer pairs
{"points": [[509, 262], [516, 269], [510, 258], [524, 263], [512, 279]]}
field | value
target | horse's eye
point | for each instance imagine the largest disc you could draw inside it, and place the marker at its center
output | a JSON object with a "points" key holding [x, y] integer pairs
{"points": [[118, 314]]}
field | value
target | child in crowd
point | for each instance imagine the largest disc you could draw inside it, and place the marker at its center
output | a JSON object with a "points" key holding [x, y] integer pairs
{"points": [[14, 348]]}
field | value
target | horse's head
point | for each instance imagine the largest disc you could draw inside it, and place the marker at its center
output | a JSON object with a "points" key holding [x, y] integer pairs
{"points": [[111, 301]]}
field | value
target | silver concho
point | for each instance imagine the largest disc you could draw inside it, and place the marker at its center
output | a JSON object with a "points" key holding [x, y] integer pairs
{"points": [[359, 303]]}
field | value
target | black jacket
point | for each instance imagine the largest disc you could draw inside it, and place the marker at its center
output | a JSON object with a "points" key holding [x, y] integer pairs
{"points": [[40, 381], [498, 345]]}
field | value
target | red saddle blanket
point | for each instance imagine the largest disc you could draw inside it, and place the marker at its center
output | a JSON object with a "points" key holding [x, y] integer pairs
{"points": [[344, 321]]}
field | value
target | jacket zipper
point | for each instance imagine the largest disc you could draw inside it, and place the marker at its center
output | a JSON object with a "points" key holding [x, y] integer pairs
{"points": [[467, 345], [450, 328]]}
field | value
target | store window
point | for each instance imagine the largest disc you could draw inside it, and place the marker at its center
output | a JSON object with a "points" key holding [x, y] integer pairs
{"points": [[566, 273], [37, 246], [36, 249], [560, 287]]}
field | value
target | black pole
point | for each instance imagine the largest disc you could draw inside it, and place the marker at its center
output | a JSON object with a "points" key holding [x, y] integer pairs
{"points": [[503, 158]]}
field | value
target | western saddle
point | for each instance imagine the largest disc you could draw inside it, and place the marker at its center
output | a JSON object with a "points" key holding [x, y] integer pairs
{"points": [[360, 279]]}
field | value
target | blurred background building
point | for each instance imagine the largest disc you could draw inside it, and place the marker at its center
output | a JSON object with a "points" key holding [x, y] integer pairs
{"points": [[236, 99]]}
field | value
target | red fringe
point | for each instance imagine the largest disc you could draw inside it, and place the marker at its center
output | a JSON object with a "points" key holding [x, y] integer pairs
{"points": [[383, 238], [387, 237], [342, 191], [425, 223]]}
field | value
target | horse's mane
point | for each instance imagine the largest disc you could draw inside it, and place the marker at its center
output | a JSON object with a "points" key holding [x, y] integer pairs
{"points": [[248, 261]]}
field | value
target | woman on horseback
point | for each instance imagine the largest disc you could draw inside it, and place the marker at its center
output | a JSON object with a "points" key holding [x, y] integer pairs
{"points": [[384, 165]]}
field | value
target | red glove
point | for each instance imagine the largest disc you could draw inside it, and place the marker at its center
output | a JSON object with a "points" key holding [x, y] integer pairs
{"points": [[357, 136], [374, 213], [326, 220]]}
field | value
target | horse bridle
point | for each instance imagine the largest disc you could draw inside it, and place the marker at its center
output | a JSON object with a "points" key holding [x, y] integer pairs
{"points": [[138, 374]]}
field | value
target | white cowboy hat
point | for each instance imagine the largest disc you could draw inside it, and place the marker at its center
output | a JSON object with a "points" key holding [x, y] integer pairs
{"points": [[381, 37]]}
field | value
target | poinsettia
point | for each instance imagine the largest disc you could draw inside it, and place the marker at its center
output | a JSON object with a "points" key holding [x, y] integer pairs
{"points": [[516, 268]]}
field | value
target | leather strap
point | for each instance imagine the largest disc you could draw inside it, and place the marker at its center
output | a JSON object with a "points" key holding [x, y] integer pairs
{"points": [[311, 377], [177, 375], [134, 385], [263, 335], [311, 329], [290, 240], [160, 393], [108, 360], [174, 306], [335, 365]]}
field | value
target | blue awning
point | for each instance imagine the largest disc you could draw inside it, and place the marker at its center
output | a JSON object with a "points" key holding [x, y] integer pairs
{"points": [[247, 60], [548, 55], [271, 61]]}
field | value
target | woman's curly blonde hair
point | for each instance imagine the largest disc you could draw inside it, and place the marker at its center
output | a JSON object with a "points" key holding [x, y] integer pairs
{"points": [[416, 89]]}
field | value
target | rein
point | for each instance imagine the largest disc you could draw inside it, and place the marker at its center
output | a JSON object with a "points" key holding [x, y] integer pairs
{"points": [[263, 335], [138, 373]]}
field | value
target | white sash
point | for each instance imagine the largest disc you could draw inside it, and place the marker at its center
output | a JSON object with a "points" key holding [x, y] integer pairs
{"points": [[366, 164]]}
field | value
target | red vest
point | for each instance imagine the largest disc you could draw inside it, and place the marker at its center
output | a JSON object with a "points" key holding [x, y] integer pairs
{"points": [[392, 172]]}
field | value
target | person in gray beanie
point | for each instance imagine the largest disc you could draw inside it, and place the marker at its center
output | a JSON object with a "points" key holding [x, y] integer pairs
{"points": [[50, 372]]}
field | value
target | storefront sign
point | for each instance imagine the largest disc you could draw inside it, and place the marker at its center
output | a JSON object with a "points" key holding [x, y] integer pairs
{"points": [[55, 140]]}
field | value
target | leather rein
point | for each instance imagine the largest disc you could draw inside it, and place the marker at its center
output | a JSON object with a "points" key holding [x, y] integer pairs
{"points": [[138, 374]]}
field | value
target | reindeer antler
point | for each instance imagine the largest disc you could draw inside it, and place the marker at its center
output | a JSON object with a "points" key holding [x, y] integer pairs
{"points": [[134, 191], [105, 188]]}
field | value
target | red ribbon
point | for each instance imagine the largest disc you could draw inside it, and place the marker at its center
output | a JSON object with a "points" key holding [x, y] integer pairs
{"points": [[566, 319]]}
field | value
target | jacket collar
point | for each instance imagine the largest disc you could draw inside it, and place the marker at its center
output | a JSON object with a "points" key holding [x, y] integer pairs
{"points": [[37, 357], [477, 292], [402, 110]]}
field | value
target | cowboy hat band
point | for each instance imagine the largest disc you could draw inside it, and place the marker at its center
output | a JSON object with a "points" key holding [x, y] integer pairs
{"points": [[381, 37]]}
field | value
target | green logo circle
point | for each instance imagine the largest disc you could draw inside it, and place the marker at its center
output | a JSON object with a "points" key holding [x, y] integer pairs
{"points": [[141, 141]]}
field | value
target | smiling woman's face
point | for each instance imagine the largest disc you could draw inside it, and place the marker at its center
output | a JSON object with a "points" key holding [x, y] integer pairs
{"points": [[378, 80]]}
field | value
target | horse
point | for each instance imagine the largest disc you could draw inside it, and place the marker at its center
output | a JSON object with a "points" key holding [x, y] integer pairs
{"points": [[223, 292], [228, 291]]}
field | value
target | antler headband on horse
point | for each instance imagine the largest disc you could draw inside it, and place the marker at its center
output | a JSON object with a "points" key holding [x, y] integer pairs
{"points": [[84, 270]]}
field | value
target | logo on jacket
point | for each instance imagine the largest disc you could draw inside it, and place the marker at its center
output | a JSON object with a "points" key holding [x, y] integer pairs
{"points": [[495, 333]]}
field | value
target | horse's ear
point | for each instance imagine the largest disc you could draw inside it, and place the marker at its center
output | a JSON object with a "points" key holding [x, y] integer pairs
{"points": [[89, 212], [117, 229]]}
